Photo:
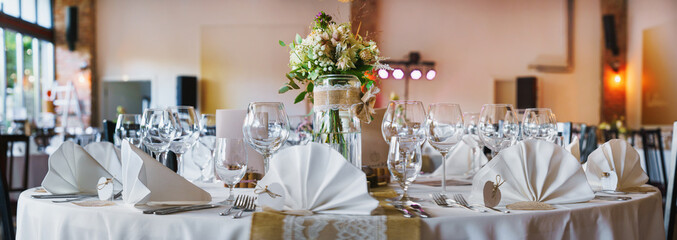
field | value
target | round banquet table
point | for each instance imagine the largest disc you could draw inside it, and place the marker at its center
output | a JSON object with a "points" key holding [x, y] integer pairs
{"points": [[639, 218]]}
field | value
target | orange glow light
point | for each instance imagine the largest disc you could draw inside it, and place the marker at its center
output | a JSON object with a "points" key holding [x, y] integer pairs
{"points": [[617, 78]]}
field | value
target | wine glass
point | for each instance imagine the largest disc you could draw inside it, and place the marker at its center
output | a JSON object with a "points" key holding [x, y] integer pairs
{"points": [[159, 129], [188, 131], [128, 128], [404, 168], [208, 140], [498, 126], [266, 128], [301, 130], [539, 123], [471, 123], [230, 162], [445, 129], [404, 118]]}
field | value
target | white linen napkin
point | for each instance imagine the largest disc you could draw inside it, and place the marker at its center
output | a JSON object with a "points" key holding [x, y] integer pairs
{"points": [[619, 157], [462, 158], [316, 178], [73, 170], [574, 148], [147, 181], [534, 171], [107, 155]]}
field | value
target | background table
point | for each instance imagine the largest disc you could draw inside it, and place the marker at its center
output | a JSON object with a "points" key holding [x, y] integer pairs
{"points": [[639, 218]]}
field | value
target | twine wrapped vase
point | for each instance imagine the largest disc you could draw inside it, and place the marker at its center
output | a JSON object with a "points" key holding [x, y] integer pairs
{"points": [[337, 107]]}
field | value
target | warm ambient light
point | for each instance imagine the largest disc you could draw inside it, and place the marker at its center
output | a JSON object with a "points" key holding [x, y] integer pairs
{"points": [[431, 74], [383, 74], [416, 74], [398, 74], [617, 78]]}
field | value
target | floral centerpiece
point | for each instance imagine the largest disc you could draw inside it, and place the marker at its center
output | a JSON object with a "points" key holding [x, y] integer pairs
{"points": [[334, 69]]}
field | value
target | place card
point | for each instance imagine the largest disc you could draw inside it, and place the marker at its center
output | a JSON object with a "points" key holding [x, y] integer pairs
{"points": [[491, 193], [105, 188], [271, 196]]}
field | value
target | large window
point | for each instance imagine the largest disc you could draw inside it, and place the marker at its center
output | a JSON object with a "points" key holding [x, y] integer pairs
{"points": [[27, 62]]}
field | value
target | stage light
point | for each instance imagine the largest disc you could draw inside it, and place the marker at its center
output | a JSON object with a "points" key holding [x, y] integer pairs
{"points": [[383, 74], [431, 74], [416, 74], [398, 74]]}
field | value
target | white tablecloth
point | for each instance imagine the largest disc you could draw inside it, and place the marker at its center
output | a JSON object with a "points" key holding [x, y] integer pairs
{"points": [[639, 218]]}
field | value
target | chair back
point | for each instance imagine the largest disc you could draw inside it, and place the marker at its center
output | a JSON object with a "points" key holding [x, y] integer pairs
{"points": [[588, 141], [671, 196], [564, 129], [7, 222], [108, 133], [7, 159], [609, 134], [653, 158]]}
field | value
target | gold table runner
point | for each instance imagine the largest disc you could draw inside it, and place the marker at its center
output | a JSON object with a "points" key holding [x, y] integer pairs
{"points": [[271, 225]]}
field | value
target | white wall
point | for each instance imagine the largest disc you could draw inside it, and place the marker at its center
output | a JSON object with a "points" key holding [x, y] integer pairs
{"points": [[161, 39], [474, 42], [642, 15]]}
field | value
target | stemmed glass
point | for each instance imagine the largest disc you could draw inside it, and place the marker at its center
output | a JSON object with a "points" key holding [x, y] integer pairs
{"points": [[188, 131], [230, 162], [301, 130], [266, 128], [445, 129], [498, 126], [471, 123], [404, 167], [159, 129], [539, 123], [128, 128], [208, 140]]}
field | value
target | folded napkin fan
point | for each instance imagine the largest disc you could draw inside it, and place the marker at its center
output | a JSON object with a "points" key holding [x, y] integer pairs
{"points": [[574, 148], [147, 181], [534, 171], [316, 178], [107, 155], [619, 157], [462, 159], [73, 170]]}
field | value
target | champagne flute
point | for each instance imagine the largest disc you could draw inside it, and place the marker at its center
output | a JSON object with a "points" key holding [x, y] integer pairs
{"points": [[539, 123], [445, 129], [208, 140], [159, 129], [188, 131], [230, 163], [498, 127], [404, 168], [128, 128], [266, 128]]}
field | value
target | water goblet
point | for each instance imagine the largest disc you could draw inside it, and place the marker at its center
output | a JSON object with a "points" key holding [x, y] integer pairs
{"points": [[159, 129], [539, 123], [188, 131], [230, 163], [498, 127], [404, 163], [301, 130], [266, 128], [208, 140], [128, 127], [444, 129], [404, 118]]}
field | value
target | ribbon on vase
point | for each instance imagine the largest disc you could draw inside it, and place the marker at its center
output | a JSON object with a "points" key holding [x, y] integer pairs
{"points": [[365, 110], [346, 98]]}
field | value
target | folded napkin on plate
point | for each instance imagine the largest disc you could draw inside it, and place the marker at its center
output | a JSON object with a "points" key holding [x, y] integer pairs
{"points": [[534, 171], [620, 160], [73, 170], [107, 155], [574, 148], [462, 158], [316, 178], [147, 181]]}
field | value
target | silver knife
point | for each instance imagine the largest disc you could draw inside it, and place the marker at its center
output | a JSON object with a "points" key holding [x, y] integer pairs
{"points": [[151, 211], [404, 211], [52, 196], [186, 209]]}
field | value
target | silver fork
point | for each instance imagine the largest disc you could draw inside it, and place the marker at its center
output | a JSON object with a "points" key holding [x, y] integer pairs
{"points": [[437, 198], [463, 203], [248, 206], [233, 205]]}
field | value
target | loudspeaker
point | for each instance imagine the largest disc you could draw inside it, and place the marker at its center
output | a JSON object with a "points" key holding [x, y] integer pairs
{"points": [[186, 91], [526, 92], [610, 34], [71, 26]]}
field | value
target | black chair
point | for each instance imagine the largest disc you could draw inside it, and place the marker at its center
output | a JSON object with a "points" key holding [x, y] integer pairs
{"points": [[671, 196], [7, 159], [6, 212], [609, 134], [654, 160], [108, 133], [588, 141]]}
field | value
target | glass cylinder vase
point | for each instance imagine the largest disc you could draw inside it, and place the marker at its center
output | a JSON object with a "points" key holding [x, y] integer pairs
{"points": [[335, 98]]}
